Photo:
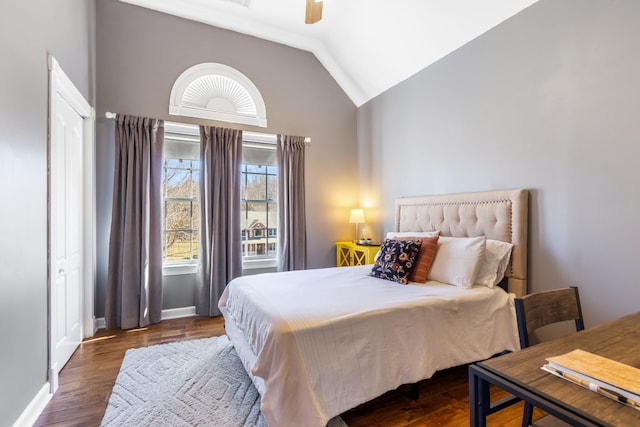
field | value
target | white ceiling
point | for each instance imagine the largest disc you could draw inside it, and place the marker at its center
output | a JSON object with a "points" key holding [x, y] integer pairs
{"points": [[368, 46]]}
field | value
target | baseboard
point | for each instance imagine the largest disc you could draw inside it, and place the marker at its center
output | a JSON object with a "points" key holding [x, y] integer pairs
{"points": [[34, 409], [170, 313], [175, 313], [99, 324]]}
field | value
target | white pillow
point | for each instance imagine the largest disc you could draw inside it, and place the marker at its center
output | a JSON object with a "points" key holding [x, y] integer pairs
{"points": [[458, 260], [496, 259], [394, 234]]}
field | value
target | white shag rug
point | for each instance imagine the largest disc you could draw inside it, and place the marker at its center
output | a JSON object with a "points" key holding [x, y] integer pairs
{"points": [[187, 383]]}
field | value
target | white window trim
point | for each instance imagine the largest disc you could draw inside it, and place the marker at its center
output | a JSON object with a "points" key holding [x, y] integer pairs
{"points": [[178, 268], [223, 82], [266, 141], [191, 135], [253, 264]]}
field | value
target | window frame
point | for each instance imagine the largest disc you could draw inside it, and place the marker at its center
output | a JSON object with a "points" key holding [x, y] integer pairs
{"points": [[205, 82], [267, 142], [193, 203], [191, 133]]}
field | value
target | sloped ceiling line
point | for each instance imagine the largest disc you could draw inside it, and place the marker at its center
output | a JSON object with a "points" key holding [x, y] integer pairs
{"points": [[368, 46]]}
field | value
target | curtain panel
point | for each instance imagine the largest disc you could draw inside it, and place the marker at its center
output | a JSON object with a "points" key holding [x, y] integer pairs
{"points": [[292, 228], [134, 283], [220, 253]]}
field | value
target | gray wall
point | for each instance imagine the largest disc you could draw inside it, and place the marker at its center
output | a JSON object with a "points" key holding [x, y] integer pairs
{"points": [[140, 53], [28, 32], [548, 101]]}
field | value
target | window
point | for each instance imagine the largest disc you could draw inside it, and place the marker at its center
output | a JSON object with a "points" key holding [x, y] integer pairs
{"points": [[181, 209], [180, 194], [259, 208], [217, 92]]}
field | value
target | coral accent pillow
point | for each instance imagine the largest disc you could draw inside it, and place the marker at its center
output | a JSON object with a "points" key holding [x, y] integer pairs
{"points": [[413, 234], [425, 257], [396, 260]]}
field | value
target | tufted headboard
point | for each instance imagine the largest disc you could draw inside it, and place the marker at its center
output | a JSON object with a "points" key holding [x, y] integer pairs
{"points": [[499, 215]]}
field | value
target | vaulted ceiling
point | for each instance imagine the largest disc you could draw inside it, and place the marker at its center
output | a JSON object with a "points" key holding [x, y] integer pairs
{"points": [[368, 46]]}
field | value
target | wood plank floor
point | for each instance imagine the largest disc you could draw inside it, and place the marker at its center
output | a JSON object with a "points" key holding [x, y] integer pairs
{"points": [[86, 383]]}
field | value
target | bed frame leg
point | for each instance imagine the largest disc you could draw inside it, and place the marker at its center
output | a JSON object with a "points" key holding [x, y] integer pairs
{"points": [[415, 391]]}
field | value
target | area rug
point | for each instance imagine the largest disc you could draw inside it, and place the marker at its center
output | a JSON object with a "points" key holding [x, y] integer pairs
{"points": [[187, 383]]}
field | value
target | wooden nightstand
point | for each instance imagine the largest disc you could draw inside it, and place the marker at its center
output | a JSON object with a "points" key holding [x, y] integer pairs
{"points": [[349, 253]]}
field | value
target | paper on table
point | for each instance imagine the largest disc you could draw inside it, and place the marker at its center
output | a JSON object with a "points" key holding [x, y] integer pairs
{"points": [[598, 372], [592, 386]]}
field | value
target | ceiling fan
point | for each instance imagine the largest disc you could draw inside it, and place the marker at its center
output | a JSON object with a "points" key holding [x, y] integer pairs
{"points": [[314, 11]]}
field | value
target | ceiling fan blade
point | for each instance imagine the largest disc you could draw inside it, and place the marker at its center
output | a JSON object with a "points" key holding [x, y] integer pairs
{"points": [[314, 12]]}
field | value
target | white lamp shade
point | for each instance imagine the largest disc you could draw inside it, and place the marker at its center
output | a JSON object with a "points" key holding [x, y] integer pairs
{"points": [[357, 216]]}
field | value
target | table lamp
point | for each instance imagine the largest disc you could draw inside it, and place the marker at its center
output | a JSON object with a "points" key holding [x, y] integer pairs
{"points": [[356, 217]]}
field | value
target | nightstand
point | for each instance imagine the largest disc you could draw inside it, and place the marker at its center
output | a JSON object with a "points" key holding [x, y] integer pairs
{"points": [[349, 253]]}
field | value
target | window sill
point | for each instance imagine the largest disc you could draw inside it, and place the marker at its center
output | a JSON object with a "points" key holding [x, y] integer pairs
{"points": [[259, 263], [179, 269]]}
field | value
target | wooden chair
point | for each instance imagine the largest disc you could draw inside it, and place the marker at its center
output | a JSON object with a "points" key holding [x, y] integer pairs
{"points": [[539, 309]]}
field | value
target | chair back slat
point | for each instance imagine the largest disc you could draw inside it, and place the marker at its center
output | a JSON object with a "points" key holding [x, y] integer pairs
{"points": [[544, 308]]}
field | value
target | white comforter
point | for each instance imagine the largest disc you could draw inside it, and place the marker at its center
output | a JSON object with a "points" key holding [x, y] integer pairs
{"points": [[324, 341]]}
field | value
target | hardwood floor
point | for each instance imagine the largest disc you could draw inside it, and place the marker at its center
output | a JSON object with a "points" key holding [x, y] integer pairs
{"points": [[86, 383]]}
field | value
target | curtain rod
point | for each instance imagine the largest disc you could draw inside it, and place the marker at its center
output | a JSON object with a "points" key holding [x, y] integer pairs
{"points": [[110, 115]]}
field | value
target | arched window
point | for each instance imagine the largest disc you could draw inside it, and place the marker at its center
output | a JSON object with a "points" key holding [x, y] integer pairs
{"points": [[217, 92]]}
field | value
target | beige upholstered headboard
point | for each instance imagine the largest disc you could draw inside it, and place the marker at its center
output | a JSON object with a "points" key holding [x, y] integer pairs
{"points": [[499, 215]]}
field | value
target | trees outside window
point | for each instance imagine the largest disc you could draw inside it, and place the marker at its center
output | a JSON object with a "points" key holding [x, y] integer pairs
{"points": [[181, 210], [181, 195]]}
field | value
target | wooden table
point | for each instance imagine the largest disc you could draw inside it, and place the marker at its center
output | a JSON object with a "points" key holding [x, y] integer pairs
{"points": [[519, 373]]}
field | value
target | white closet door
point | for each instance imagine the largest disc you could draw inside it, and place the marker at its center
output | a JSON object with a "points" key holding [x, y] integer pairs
{"points": [[66, 231]]}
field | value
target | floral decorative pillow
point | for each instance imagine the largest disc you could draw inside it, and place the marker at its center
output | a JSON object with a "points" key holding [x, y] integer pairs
{"points": [[424, 259], [396, 260]]}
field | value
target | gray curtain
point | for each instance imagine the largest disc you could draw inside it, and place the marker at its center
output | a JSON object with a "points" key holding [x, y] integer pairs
{"points": [[292, 229], [134, 283], [220, 231]]}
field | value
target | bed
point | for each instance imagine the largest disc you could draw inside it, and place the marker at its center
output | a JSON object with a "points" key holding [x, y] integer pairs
{"points": [[319, 342]]}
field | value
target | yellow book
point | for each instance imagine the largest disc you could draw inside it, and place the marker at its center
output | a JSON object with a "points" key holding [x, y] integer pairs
{"points": [[608, 377]]}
